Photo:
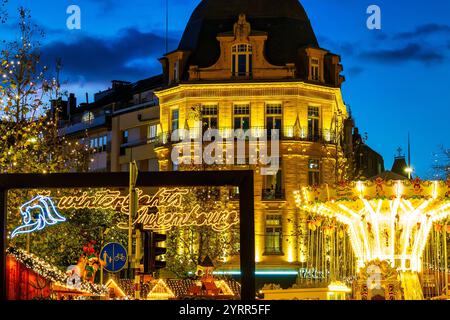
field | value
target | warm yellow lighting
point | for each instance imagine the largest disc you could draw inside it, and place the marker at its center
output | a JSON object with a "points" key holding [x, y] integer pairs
{"points": [[290, 252], [160, 291], [113, 284], [221, 284], [257, 254], [338, 286], [391, 221], [172, 209]]}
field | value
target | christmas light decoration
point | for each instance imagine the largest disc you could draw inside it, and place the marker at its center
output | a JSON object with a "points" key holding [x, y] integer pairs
{"points": [[387, 220], [48, 215], [112, 284], [160, 291], [53, 274], [162, 211], [338, 286]]}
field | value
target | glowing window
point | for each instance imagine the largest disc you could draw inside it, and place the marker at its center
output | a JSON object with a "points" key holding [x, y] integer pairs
{"points": [[88, 117], [241, 64]]}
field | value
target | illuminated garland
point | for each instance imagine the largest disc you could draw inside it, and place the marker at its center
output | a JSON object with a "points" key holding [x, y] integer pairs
{"points": [[52, 273], [162, 211]]}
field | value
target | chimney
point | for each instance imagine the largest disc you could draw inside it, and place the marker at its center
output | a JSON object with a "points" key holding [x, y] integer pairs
{"points": [[72, 105], [87, 98]]}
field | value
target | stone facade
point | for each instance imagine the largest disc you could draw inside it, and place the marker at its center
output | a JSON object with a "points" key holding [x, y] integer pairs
{"points": [[295, 149]]}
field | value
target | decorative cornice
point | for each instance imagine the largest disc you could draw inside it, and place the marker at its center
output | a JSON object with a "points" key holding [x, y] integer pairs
{"points": [[227, 90]]}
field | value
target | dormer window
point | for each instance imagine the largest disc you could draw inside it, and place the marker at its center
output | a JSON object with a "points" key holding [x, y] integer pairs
{"points": [[241, 65], [315, 69], [176, 66]]}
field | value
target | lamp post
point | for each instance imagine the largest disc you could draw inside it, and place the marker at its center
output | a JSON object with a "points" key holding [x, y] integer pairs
{"points": [[131, 213], [409, 171], [103, 231]]}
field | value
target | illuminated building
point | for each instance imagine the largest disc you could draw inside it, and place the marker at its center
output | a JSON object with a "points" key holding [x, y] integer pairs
{"points": [[241, 64], [258, 65]]}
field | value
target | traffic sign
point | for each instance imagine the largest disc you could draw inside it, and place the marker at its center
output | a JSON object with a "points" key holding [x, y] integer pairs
{"points": [[115, 256]]}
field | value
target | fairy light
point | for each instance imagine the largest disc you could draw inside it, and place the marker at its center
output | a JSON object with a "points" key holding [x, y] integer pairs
{"points": [[337, 286], [53, 274], [406, 212], [172, 209], [156, 291], [111, 283]]}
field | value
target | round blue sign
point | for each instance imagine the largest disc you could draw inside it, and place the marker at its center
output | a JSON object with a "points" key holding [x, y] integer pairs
{"points": [[115, 256]]}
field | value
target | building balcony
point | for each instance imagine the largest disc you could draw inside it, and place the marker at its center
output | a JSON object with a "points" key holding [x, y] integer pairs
{"points": [[269, 194], [163, 139], [286, 134], [299, 134], [75, 127]]}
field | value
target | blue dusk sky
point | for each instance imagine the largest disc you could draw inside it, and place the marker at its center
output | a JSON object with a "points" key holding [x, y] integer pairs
{"points": [[397, 78]]}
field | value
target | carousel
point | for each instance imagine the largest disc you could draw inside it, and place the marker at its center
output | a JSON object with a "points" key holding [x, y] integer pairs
{"points": [[396, 230]]}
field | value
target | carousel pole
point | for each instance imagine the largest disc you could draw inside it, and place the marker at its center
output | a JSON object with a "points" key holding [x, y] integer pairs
{"points": [[445, 260]]}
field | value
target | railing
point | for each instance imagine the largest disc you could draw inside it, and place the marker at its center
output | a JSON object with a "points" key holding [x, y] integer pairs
{"points": [[303, 134], [125, 107], [136, 143], [163, 139], [287, 133], [81, 126], [272, 194]]}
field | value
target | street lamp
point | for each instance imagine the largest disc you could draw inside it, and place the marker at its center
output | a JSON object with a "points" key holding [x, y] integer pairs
{"points": [[409, 170]]}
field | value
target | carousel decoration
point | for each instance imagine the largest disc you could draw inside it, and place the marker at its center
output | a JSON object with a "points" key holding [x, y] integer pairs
{"points": [[378, 280], [385, 220]]}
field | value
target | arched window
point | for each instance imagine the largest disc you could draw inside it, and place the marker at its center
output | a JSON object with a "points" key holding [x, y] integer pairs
{"points": [[241, 62]]}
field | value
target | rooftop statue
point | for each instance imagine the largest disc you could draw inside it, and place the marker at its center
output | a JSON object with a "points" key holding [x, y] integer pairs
{"points": [[241, 28]]}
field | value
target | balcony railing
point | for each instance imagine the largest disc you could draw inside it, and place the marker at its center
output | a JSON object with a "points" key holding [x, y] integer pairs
{"points": [[303, 134], [272, 194], [136, 143], [163, 139], [287, 133], [74, 127]]}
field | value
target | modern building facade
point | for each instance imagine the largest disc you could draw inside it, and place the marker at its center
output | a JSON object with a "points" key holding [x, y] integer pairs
{"points": [[119, 126]]}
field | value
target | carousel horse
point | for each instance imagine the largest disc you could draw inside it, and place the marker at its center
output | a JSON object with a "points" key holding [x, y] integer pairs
{"points": [[47, 215]]}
